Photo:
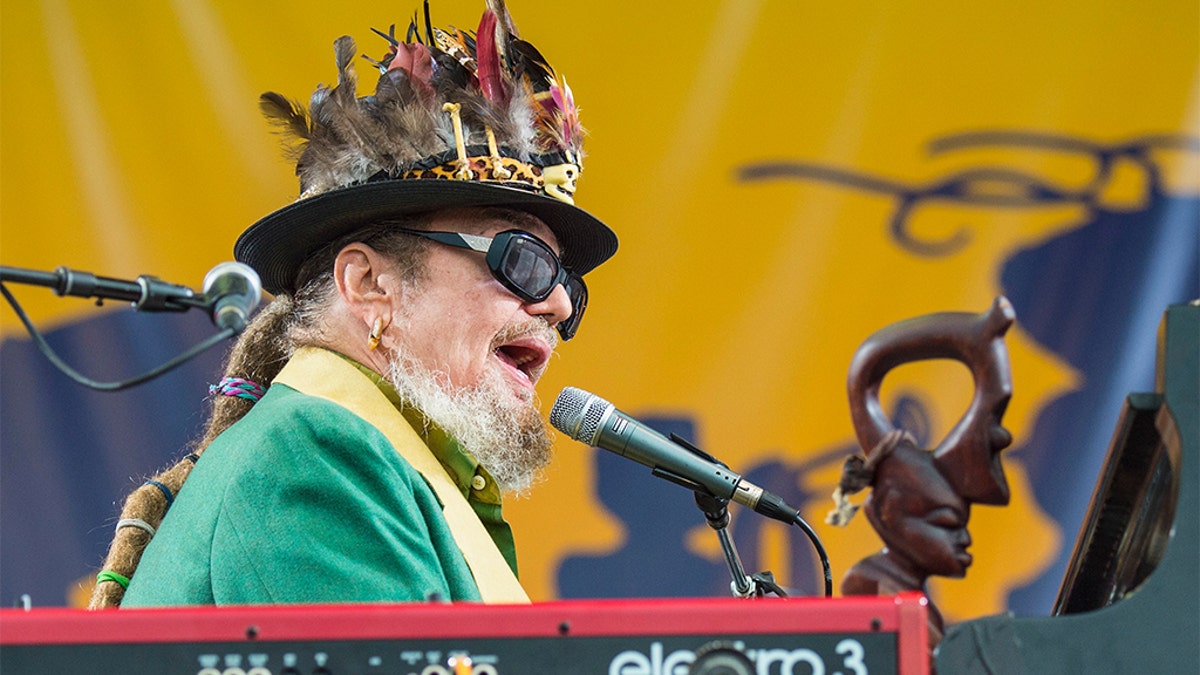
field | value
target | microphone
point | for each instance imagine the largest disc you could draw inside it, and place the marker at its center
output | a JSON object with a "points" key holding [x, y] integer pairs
{"points": [[231, 292], [588, 418]]}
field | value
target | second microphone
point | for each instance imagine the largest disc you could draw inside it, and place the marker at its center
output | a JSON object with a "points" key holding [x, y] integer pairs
{"points": [[590, 419]]}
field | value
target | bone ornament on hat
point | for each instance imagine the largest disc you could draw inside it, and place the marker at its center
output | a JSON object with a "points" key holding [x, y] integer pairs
{"points": [[921, 499], [449, 105]]}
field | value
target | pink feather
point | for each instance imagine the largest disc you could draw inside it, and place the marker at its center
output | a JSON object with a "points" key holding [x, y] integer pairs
{"points": [[414, 59]]}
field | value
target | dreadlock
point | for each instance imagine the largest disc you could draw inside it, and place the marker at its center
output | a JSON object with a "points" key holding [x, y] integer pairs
{"points": [[256, 357]]}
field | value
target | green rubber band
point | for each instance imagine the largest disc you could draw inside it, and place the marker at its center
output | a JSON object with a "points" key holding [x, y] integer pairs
{"points": [[109, 575]]}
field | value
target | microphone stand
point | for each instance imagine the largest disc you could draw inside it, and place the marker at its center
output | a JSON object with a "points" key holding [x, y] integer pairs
{"points": [[147, 293], [742, 585], [717, 515]]}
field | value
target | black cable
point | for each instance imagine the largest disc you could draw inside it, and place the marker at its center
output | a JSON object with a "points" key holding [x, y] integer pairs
{"points": [[45, 348], [772, 506], [820, 553]]}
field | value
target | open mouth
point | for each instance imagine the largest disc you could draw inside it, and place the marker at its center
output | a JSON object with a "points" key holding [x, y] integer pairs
{"points": [[526, 356]]}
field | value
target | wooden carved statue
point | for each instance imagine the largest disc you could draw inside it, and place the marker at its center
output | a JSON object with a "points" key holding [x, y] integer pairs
{"points": [[921, 499]]}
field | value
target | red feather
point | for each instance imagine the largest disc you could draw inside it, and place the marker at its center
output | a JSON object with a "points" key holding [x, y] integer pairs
{"points": [[488, 58]]}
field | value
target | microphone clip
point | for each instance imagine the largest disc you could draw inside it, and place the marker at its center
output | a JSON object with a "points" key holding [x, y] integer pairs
{"points": [[716, 513], [742, 585]]}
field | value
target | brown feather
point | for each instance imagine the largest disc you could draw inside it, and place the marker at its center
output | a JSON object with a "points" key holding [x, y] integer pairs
{"points": [[402, 119], [458, 45], [288, 115], [344, 50], [348, 120], [500, 9]]}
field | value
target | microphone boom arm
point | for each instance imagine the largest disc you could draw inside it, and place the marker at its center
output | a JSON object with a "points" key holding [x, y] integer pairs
{"points": [[146, 293]]}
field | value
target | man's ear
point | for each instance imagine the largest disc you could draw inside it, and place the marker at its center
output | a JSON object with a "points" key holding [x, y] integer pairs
{"points": [[365, 282]]}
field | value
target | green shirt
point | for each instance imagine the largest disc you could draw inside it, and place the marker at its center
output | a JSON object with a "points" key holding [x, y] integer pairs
{"points": [[303, 501]]}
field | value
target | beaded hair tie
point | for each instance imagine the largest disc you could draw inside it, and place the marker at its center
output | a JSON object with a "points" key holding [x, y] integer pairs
{"points": [[236, 386]]}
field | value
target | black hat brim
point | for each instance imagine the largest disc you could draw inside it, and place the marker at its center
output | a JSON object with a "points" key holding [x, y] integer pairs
{"points": [[278, 244]]}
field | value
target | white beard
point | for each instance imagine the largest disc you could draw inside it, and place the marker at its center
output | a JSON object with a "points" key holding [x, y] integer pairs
{"points": [[507, 436]]}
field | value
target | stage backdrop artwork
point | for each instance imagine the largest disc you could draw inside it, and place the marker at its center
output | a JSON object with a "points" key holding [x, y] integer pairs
{"points": [[786, 178]]}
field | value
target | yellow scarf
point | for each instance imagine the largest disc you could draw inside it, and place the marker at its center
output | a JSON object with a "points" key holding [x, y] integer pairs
{"points": [[326, 375]]}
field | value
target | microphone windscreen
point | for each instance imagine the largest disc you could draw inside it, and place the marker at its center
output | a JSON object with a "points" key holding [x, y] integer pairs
{"points": [[232, 291], [578, 414], [233, 279]]}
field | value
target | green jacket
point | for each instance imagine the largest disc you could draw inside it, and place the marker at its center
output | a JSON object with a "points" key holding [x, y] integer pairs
{"points": [[303, 501]]}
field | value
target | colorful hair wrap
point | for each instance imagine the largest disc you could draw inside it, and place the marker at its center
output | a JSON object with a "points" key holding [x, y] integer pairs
{"points": [[236, 386]]}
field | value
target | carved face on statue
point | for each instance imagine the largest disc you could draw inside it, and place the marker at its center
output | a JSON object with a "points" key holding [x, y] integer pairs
{"points": [[972, 448], [919, 515]]}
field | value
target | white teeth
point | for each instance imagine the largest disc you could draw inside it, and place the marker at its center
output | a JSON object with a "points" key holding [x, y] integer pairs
{"points": [[516, 361]]}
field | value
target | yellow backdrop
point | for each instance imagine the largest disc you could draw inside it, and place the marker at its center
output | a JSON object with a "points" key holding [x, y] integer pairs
{"points": [[131, 144]]}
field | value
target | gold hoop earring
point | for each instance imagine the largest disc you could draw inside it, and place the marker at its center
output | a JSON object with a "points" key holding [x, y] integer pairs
{"points": [[376, 333]]}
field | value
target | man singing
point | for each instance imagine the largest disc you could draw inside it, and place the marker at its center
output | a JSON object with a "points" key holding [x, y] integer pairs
{"points": [[373, 414]]}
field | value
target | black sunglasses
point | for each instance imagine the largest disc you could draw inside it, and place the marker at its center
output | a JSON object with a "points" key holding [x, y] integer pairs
{"points": [[525, 265]]}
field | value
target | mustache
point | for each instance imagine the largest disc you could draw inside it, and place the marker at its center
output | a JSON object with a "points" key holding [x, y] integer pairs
{"points": [[533, 326]]}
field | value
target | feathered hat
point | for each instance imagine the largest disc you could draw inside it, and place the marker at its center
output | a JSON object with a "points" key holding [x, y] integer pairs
{"points": [[457, 119]]}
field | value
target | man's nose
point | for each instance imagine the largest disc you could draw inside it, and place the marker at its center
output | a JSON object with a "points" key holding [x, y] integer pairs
{"points": [[555, 308]]}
